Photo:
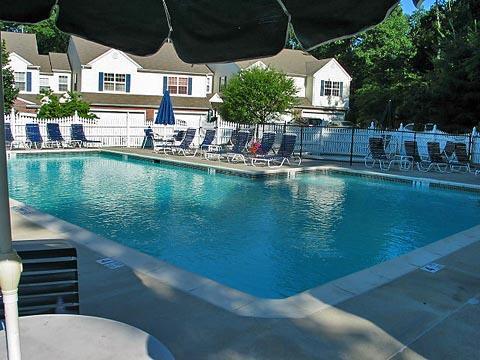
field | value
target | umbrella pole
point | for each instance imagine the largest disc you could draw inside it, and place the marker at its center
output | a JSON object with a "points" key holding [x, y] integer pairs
{"points": [[10, 263]]}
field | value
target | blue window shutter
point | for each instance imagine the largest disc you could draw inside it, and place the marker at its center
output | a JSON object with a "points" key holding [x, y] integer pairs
{"points": [[29, 81], [189, 86], [322, 88], [100, 81], [341, 89], [165, 79], [127, 83]]}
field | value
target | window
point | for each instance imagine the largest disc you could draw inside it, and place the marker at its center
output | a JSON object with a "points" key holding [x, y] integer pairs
{"points": [[63, 83], [20, 81], [178, 85], [114, 82], [209, 84], [44, 84], [222, 83], [332, 88]]}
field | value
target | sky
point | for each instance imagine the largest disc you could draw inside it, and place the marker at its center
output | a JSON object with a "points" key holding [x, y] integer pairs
{"points": [[408, 6]]}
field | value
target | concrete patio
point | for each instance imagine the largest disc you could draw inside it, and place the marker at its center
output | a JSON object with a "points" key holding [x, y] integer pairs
{"points": [[420, 315]]}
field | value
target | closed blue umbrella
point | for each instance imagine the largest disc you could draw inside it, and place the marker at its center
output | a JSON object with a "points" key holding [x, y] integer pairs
{"points": [[165, 114]]}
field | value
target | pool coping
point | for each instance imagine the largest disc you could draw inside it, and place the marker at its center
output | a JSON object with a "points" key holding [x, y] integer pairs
{"points": [[290, 172], [297, 306]]}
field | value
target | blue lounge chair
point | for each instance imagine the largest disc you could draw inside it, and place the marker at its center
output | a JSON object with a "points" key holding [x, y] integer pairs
{"points": [[284, 154], [78, 136], [241, 139], [54, 135], [207, 142], [266, 145], [10, 142], [166, 143], [185, 146], [34, 138]]}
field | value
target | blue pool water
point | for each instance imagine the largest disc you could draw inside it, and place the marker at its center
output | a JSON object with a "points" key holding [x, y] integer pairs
{"points": [[270, 238]]}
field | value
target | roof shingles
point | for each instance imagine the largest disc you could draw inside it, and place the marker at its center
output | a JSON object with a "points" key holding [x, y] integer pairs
{"points": [[165, 59], [292, 62]]}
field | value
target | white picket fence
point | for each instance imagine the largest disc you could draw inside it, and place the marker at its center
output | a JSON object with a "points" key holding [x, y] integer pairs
{"points": [[327, 142]]}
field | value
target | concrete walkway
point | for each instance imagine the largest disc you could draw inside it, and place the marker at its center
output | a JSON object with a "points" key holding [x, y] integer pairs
{"points": [[420, 315]]}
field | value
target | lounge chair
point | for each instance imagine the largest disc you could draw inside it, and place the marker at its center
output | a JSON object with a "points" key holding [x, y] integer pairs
{"points": [[284, 154], [449, 150], [413, 156], [185, 146], [54, 136], [461, 160], [162, 143], [266, 145], [241, 138], [34, 138], [77, 135], [377, 154], [437, 159], [10, 142], [207, 143]]}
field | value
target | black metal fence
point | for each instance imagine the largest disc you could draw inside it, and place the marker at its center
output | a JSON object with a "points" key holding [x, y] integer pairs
{"points": [[351, 144]]}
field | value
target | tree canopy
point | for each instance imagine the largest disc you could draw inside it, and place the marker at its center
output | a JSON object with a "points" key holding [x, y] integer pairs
{"points": [[427, 64], [257, 95], [55, 106], [49, 37], [10, 92]]}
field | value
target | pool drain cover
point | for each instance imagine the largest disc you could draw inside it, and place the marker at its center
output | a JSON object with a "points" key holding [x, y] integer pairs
{"points": [[433, 267]]}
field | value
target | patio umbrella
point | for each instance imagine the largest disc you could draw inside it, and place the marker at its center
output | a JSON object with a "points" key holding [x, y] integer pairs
{"points": [[165, 115], [205, 30], [202, 31]]}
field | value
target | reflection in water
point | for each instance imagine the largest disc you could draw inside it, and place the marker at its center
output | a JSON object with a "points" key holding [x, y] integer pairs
{"points": [[270, 238]]}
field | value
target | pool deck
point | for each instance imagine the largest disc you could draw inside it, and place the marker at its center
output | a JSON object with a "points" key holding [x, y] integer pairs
{"points": [[419, 315], [412, 315]]}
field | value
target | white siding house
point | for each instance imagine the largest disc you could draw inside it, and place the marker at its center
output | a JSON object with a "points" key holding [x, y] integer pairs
{"points": [[323, 86], [115, 82], [35, 72]]}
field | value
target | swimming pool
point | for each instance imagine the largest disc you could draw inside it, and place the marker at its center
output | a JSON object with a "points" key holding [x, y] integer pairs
{"points": [[270, 238]]}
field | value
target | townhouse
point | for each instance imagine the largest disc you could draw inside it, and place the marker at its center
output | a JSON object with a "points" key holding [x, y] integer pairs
{"points": [[323, 86], [35, 72], [120, 85]]}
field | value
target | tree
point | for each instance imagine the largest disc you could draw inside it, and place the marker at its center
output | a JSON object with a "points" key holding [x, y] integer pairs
{"points": [[49, 37], [10, 92], [257, 95], [54, 106]]}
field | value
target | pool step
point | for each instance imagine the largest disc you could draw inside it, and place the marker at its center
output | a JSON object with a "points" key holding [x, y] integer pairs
{"points": [[49, 281]]}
